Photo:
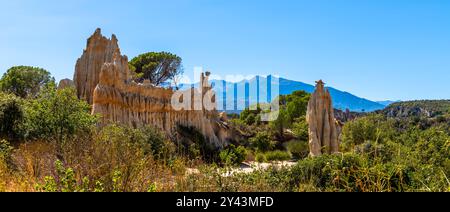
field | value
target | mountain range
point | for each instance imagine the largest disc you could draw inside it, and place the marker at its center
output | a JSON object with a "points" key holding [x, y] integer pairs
{"points": [[249, 92]]}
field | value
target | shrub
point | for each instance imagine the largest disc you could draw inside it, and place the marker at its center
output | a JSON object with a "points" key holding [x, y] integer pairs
{"points": [[250, 156], [65, 181], [298, 149], [11, 116], [233, 155], [352, 173], [281, 122], [262, 142], [155, 143], [251, 119], [260, 158], [374, 128], [57, 115], [277, 156], [5, 152], [191, 135], [300, 129]]}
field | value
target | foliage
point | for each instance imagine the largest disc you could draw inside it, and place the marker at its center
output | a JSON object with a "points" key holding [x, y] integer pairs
{"points": [[300, 129], [260, 158], [298, 149], [6, 151], [25, 81], [262, 142], [296, 104], [57, 115], [158, 67], [281, 122], [154, 142], [194, 140], [277, 156], [251, 117], [233, 155], [65, 181], [375, 128], [11, 116], [428, 108]]}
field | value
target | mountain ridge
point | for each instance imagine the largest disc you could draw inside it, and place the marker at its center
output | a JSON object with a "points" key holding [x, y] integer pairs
{"points": [[341, 99]]}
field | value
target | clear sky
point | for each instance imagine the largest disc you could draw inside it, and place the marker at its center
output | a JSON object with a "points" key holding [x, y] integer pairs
{"points": [[377, 49]]}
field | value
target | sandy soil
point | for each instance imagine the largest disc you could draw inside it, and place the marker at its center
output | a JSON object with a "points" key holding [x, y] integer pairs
{"points": [[249, 167]]}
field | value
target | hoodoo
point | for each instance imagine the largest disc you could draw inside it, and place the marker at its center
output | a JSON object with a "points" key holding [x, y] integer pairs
{"points": [[102, 78], [323, 134]]}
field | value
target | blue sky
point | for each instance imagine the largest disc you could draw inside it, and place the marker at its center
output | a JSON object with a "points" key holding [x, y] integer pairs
{"points": [[377, 49]]}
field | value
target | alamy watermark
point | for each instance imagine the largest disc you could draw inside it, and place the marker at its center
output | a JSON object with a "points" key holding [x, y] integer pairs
{"points": [[217, 93]]}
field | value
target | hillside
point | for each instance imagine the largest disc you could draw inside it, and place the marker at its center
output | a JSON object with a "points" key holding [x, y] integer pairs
{"points": [[420, 108], [387, 102]]}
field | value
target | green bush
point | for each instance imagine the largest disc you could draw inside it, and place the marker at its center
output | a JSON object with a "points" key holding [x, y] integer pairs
{"points": [[147, 139], [277, 156], [262, 142], [300, 129], [281, 122], [189, 136], [65, 181], [298, 149], [251, 119], [6, 152], [260, 158], [233, 155], [57, 115], [11, 116], [154, 142], [350, 172], [374, 128]]}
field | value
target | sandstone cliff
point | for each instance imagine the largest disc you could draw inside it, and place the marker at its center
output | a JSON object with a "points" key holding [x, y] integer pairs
{"points": [[103, 79], [323, 132], [99, 50]]}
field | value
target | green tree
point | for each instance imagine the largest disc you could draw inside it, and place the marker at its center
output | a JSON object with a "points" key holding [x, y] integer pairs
{"points": [[281, 122], [297, 104], [11, 116], [57, 114], [158, 67], [25, 81]]}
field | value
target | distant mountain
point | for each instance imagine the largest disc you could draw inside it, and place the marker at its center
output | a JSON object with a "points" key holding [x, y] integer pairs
{"points": [[248, 93], [387, 102]]}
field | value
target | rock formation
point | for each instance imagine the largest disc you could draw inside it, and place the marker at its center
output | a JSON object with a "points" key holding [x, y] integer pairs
{"points": [[65, 83], [323, 133], [99, 50], [103, 79]]}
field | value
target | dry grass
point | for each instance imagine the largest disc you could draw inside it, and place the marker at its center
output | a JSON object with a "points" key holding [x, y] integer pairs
{"points": [[92, 160]]}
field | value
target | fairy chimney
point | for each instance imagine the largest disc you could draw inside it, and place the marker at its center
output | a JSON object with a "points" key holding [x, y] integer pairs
{"points": [[323, 134]]}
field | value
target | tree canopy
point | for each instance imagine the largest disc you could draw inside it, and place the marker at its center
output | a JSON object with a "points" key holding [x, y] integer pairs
{"points": [[158, 67], [25, 81], [57, 114]]}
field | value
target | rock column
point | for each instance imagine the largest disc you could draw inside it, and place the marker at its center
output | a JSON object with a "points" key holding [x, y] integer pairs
{"points": [[323, 135]]}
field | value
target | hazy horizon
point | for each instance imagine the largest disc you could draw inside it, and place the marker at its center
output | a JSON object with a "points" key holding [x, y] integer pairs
{"points": [[378, 50]]}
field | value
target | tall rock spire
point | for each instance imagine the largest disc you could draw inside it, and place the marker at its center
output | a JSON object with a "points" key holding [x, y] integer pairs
{"points": [[99, 50], [323, 135]]}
